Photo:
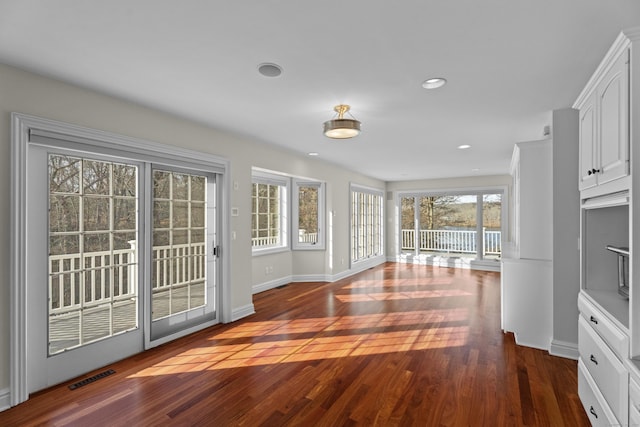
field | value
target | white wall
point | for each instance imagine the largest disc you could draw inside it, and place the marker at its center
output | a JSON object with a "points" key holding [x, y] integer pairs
{"points": [[566, 229], [31, 94]]}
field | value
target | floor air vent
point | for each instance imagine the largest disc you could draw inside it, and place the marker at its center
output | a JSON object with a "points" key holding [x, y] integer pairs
{"points": [[91, 379]]}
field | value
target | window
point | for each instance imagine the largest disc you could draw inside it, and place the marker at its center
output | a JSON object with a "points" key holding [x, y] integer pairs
{"points": [[461, 224], [308, 215], [367, 213], [269, 211]]}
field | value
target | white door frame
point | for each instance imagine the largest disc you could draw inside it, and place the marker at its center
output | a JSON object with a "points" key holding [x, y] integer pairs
{"points": [[21, 128]]}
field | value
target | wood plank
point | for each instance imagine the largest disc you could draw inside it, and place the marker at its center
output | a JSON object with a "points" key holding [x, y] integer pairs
{"points": [[397, 345]]}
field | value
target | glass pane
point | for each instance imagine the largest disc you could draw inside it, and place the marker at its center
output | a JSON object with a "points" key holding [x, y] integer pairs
{"points": [[448, 224], [96, 213], [308, 214], [64, 245], [180, 186], [97, 242], [198, 188], [161, 238], [408, 224], [96, 177], [197, 214], [180, 237], [124, 241], [124, 180], [161, 185], [124, 214], [64, 174], [492, 224], [64, 213], [180, 214], [161, 214]]}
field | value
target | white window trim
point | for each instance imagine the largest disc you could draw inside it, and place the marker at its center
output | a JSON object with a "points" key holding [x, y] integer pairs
{"points": [[320, 244], [21, 126]]}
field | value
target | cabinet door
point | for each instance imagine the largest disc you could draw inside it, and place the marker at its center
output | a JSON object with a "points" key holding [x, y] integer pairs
{"points": [[614, 121], [587, 143]]}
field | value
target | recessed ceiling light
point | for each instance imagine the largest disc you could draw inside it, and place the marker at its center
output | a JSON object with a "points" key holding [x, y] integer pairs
{"points": [[269, 69], [463, 146], [434, 83], [475, 170], [313, 153]]}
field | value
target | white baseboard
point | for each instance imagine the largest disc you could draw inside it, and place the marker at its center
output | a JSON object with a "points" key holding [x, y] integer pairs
{"points": [[357, 268], [527, 341], [240, 312], [448, 261], [265, 286], [568, 350], [5, 399]]}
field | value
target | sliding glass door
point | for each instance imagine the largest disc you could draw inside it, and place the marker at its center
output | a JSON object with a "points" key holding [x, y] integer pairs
{"points": [[464, 225]]}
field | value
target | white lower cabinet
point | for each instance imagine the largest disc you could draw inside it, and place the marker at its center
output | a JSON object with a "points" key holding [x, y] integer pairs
{"points": [[604, 384], [594, 404], [607, 371]]}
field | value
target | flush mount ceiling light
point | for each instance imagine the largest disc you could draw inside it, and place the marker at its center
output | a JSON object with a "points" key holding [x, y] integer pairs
{"points": [[341, 128], [434, 83]]}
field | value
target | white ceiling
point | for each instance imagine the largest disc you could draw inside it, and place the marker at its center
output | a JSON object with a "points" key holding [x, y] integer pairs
{"points": [[508, 64]]}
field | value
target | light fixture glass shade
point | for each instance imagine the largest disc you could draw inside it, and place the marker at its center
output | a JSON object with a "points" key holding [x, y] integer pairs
{"points": [[341, 128]]}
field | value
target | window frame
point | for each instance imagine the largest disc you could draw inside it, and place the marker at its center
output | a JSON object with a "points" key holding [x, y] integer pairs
{"points": [[480, 193], [261, 177], [295, 215], [375, 227]]}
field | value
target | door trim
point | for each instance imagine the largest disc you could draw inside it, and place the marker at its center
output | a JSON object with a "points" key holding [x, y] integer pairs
{"points": [[21, 127]]}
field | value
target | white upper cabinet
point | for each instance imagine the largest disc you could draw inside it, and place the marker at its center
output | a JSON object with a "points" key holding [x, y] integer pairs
{"points": [[613, 100], [587, 134], [604, 124]]}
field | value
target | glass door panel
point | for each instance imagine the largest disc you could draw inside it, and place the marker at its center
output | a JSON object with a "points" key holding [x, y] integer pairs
{"points": [[492, 225], [448, 224], [408, 225], [92, 251], [182, 270]]}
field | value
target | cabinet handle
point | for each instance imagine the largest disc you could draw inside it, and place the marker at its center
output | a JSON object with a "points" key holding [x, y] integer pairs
{"points": [[594, 171], [589, 172], [593, 359], [593, 411], [594, 320]]}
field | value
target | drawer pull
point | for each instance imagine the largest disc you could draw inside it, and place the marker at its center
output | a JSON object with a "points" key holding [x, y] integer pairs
{"points": [[594, 320], [593, 411], [593, 359]]}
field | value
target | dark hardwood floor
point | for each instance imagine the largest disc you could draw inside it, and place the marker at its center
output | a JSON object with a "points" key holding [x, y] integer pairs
{"points": [[397, 345]]}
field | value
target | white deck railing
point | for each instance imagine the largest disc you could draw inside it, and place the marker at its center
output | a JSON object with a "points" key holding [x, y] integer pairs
{"points": [[112, 276], [452, 241]]}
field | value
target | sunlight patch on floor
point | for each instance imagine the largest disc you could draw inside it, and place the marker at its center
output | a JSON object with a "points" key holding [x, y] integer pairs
{"points": [[421, 330]]}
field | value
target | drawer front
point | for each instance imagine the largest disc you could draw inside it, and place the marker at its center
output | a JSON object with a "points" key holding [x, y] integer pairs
{"points": [[611, 334], [597, 410], [609, 374]]}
